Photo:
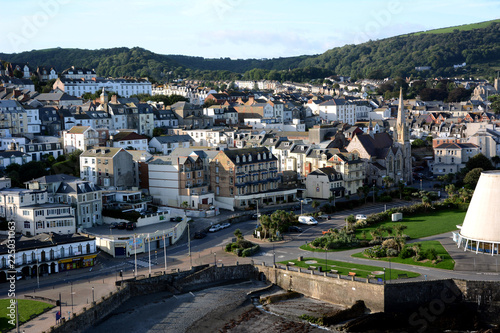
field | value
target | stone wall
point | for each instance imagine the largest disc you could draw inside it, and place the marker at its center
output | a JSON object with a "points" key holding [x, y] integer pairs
{"points": [[215, 275], [333, 290], [408, 296]]}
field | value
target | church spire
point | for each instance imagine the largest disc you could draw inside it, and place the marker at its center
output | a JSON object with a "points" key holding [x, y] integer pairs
{"points": [[402, 133]]}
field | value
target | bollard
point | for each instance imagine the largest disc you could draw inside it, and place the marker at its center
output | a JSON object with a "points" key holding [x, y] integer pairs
{"points": [[324, 274], [338, 276], [367, 280], [287, 268], [300, 270], [352, 278]]}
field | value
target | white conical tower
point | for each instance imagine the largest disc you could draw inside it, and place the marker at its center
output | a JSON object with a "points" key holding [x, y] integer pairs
{"points": [[481, 228]]}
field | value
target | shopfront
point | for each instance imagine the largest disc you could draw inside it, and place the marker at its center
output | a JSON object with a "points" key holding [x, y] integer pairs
{"points": [[75, 263]]}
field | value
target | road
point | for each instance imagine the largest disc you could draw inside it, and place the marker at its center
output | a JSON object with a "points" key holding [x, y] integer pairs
{"points": [[278, 251]]}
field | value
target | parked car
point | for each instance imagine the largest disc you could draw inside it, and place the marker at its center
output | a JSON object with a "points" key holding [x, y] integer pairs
{"points": [[360, 217], [225, 225], [296, 207], [215, 228], [306, 201], [113, 225], [255, 216], [130, 226], [200, 234], [324, 217], [121, 225], [294, 228], [307, 220]]}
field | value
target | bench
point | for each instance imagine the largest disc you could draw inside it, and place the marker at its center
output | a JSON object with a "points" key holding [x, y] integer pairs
{"points": [[371, 276], [402, 276], [334, 271], [291, 263], [352, 274], [311, 268]]}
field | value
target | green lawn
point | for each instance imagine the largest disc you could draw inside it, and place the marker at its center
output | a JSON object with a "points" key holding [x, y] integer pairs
{"points": [[419, 226], [465, 27], [344, 268], [447, 263], [27, 308]]}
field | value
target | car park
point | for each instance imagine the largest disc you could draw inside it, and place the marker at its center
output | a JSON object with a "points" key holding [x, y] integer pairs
{"points": [[360, 217], [113, 225], [200, 234], [225, 225], [215, 228], [296, 207]]}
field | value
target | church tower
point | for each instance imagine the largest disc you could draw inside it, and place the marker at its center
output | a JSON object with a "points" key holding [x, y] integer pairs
{"points": [[402, 140]]}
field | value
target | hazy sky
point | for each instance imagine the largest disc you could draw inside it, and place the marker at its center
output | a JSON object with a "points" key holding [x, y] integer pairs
{"points": [[226, 28]]}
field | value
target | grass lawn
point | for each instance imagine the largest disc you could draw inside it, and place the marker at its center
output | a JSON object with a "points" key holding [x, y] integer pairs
{"points": [[419, 226], [447, 263], [465, 27], [344, 268], [27, 308]]}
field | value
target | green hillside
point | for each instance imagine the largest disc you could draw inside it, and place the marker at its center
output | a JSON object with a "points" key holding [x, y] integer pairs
{"points": [[464, 27], [476, 44]]}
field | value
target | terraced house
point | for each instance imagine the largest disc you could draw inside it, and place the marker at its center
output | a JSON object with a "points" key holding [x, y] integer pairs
{"points": [[245, 177]]}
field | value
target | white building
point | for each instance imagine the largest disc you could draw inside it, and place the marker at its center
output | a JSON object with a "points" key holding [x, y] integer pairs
{"points": [[123, 87], [129, 140], [80, 137], [34, 214], [337, 110], [48, 253], [167, 144]]}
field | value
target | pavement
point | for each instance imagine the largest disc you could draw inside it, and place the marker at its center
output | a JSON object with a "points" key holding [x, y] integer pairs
{"points": [[77, 290]]}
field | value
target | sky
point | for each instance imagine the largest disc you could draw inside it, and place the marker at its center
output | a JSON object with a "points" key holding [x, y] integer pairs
{"points": [[226, 28]]}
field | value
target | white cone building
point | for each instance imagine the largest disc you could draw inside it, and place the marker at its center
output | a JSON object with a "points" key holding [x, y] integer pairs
{"points": [[480, 231]]}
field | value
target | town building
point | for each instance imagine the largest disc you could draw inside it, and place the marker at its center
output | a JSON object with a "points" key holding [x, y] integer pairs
{"points": [[48, 253], [129, 140], [108, 167], [168, 143], [81, 138], [245, 177], [452, 157], [324, 183]]}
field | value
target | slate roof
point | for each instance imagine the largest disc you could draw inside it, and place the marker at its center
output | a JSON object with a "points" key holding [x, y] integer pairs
{"points": [[173, 138], [77, 186], [124, 135], [377, 146], [43, 240], [232, 154]]}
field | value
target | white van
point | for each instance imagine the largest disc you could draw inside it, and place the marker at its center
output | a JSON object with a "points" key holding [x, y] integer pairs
{"points": [[307, 220]]}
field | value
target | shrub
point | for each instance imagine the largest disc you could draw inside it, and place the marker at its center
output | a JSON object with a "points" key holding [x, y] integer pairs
{"points": [[375, 252], [406, 252], [392, 252], [237, 251], [430, 254], [385, 198], [390, 244], [250, 251], [229, 247]]}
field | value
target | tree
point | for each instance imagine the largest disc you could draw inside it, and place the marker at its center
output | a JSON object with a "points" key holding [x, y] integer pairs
{"points": [[388, 181], [450, 189], [238, 234], [17, 73], [157, 131], [418, 143], [472, 177], [479, 161], [185, 206], [315, 204]]}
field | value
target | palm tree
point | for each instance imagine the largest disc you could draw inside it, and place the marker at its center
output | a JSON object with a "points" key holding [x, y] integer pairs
{"points": [[388, 181], [315, 204], [238, 234]]}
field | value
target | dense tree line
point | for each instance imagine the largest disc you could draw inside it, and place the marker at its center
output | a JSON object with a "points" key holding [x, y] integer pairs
{"points": [[391, 57]]}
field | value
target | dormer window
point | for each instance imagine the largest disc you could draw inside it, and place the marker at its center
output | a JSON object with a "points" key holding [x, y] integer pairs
{"points": [[237, 159], [258, 156], [249, 158], [243, 159]]}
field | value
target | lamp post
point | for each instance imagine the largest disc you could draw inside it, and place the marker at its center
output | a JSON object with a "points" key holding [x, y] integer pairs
{"points": [[420, 184], [326, 260], [37, 270], [135, 257], [93, 300], [215, 259], [301, 206], [384, 275], [165, 251], [274, 256], [373, 193], [71, 297]]}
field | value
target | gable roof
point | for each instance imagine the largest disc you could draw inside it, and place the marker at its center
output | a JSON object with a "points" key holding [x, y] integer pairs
{"points": [[377, 146]]}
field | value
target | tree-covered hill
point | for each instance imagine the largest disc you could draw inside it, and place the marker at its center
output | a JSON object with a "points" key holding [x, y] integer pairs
{"points": [[477, 45]]}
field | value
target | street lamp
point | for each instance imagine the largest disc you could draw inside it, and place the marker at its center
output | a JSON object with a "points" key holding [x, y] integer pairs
{"points": [[301, 206], [373, 193], [93, 301], [420, 184], [215, 259], [274, 256]]}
